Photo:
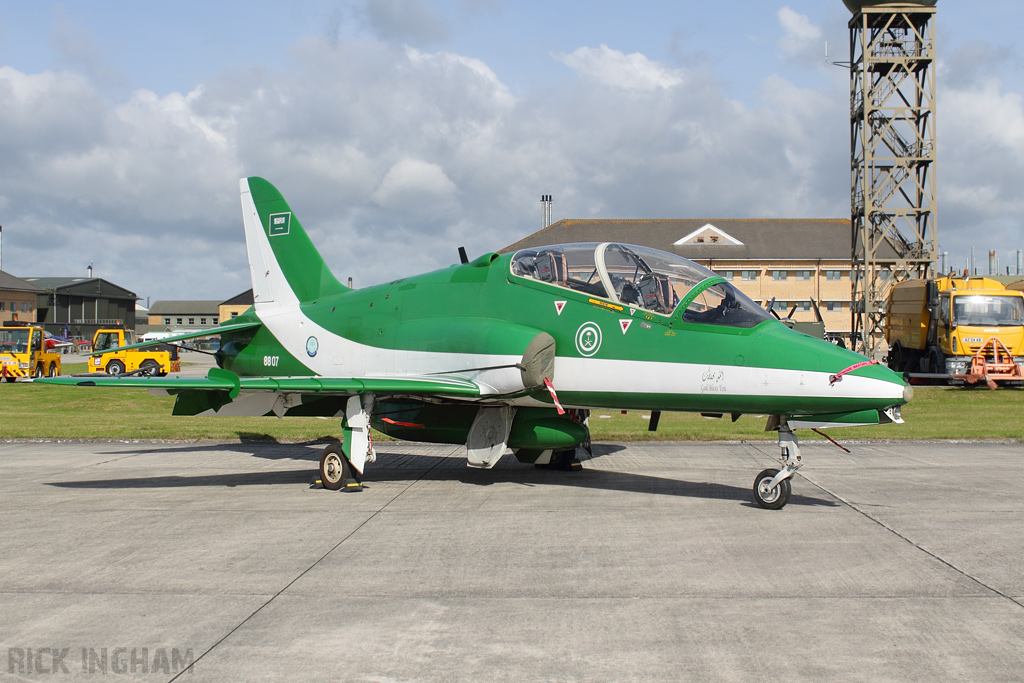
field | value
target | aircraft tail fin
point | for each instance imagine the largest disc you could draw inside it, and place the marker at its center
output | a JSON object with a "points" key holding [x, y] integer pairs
{"points": [[286, 268]]}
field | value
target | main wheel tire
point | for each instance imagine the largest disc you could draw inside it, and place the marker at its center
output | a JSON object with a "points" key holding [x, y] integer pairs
{"points": [[39, 371], [115, 367], [334, 469], [149, 367], [53, 370], [774, 499]]}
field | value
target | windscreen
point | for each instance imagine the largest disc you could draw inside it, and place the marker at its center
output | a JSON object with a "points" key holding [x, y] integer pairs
{"points": [[716, 302], [988, 310], [13, 341], [104, 341]]}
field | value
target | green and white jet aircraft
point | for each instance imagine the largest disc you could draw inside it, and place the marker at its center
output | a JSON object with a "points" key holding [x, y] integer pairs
{"points": [[487, 353]]}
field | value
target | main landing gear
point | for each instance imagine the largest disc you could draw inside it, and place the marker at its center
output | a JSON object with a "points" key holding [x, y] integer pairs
{"points": [[772, 487], [341, 466]]}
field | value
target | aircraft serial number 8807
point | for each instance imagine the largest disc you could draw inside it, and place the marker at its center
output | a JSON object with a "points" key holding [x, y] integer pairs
{"points": [[511, 351]]}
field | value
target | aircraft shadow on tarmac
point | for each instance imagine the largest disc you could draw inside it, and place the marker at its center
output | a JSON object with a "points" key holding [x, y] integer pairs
{"points": [[391, 467]]}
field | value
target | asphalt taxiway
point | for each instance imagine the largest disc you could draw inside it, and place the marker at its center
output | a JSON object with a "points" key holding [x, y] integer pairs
{"points": [[899, 561]]}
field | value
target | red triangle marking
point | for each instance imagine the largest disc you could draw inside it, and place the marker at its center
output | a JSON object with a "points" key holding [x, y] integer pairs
{"points": [[624, 324], [559, 305]]}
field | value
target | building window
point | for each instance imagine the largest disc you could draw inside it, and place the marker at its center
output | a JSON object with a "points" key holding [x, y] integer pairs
{"points": [[1, 305], [779, 306], [24, 307], [727, 274], [178, 321], [833, 275], [780, 274], [833, 305], [234, 314], [214, 321], [202, 321], [803, 275], [191, 321], [805, 306], [749, 275], [167, 321]]}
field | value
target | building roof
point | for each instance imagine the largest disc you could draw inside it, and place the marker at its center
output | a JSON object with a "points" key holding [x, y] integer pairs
{"points": [[243, 299], [83, 286], [710, 239], [10, 283], [210, 308]]}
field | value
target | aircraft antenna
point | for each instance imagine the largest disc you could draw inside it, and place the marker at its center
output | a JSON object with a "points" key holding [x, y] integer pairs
{"points": [[892, 147]]}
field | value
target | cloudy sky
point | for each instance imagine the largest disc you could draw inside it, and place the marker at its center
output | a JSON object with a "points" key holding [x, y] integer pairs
{"points": [[401, 129]]}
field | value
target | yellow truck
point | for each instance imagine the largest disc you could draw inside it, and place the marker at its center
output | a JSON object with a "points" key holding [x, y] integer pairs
{"points": [[23, 353], [148, 361], [961, 328]]}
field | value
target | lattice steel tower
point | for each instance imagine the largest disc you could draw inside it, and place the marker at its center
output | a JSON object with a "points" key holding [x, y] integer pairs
{"points": [[892, 143]]}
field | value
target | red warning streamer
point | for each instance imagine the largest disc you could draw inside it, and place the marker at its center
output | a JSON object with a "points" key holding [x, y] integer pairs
{"points": [[554, 396], [402, 424], [839, 375]]}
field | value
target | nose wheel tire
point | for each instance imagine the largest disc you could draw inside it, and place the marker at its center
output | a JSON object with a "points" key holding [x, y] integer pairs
{"points": [[773, 499], [335, 472]]}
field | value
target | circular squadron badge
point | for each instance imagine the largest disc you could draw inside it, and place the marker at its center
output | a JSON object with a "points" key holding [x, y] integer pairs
{"points": [[588, 339], [311, 346]]}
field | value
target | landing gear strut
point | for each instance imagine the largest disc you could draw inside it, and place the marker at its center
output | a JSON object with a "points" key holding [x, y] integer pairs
{"points": [[772, 487], [341, 466]]}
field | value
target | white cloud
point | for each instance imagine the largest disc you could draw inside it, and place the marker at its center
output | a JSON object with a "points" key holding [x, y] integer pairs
{"points": [[405, 21], [801, 37], [393, 157], [629, 72], [981, 169], [412, 181]]}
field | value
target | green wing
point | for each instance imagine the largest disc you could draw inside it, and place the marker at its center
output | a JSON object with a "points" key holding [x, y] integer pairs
{"points": [[316, 395]]}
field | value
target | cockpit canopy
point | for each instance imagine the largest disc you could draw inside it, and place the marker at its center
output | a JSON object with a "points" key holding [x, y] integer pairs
{"points": [[640, 277]]}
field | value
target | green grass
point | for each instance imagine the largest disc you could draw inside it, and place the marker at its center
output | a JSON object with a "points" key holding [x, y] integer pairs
{"points": [[30, 411]]}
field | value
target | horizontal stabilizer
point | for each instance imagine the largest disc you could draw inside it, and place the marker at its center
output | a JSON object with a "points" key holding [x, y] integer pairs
{"points": [[202, 334]]}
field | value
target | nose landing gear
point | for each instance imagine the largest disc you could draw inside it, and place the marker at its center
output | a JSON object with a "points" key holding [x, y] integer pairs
{"points": [[772, 487]]}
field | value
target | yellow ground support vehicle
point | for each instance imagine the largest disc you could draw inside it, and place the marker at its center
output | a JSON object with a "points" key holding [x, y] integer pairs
{"points": [[962, 328], [150, 361], [23, 353]]}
